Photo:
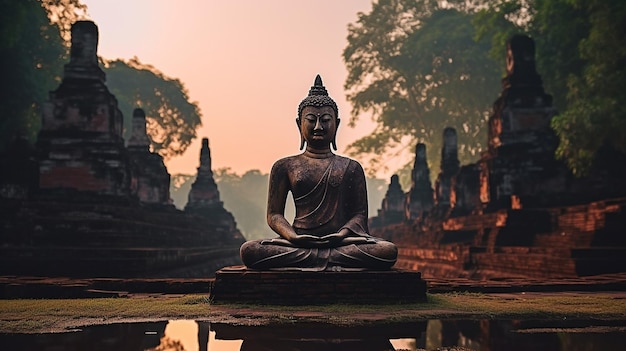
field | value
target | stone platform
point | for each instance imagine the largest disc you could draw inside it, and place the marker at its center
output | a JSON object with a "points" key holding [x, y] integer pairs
{"points": [[236, 284]]}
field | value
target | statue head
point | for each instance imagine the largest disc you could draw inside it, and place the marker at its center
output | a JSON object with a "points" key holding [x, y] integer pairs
{"points": [[318, 117]]}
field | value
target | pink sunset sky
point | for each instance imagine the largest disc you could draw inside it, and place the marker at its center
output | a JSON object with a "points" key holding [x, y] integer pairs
{"points": [[248, 64]]}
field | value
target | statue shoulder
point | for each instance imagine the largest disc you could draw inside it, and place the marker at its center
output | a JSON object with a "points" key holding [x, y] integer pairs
{"points": [[352, 165], [350, 168], [284, 164]]}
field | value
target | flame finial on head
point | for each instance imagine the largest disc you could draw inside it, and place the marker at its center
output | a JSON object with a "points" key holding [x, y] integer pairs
{"points": [[318, 87], [318, 96]]}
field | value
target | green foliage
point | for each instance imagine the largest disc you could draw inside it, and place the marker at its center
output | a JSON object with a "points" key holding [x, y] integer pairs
{"points": [[32, 56], [556, 27], [581, 55], [595, 112], [417, 69], [495, 24], [63, 13], [171, 118]]}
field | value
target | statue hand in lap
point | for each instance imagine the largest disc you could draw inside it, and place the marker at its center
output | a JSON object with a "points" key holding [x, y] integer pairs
{"points": [[330, 229]]}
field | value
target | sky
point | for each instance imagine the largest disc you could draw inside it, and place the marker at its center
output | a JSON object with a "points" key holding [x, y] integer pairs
{"points": [[248, 64]]}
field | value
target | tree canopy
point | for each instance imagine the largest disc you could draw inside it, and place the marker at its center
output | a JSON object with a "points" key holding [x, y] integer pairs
{"points": [[581, 56], [171, 118], [595, 112], [416, 68], [31, 56]]}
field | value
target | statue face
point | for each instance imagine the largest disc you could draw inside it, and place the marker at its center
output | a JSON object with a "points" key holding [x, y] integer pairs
{"points": [[318, 126]]}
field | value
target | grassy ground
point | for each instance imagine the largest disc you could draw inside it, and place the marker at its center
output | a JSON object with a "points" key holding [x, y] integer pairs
{"points": [[36, 316]]}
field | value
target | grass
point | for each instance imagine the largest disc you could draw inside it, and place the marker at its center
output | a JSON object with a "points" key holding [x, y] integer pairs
{"points": [[35, 316], [28, 316], [600, 306]]}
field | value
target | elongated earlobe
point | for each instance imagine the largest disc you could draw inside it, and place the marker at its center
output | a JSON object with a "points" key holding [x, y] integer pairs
{"points": [[334, 142], [301, 136]]}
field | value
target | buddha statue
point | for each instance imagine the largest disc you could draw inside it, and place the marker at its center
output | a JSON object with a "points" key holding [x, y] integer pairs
{"points": [[329, 231]]}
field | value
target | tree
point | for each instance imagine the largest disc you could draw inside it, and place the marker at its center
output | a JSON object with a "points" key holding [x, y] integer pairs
{"points": [[32, 54], [31, 57], [595, 112], [581, 55], [416, 68], [171, 118], [63, 13]]}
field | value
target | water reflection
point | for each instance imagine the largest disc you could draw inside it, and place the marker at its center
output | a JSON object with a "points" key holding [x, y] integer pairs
{"points": [[483, 335], [303, 336], [122, 337]]}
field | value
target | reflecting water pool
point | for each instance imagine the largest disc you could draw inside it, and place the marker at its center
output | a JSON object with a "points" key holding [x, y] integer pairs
{"points": [[178, 335]]}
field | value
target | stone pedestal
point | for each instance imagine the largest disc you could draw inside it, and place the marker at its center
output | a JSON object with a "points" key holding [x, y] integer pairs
{"points": [[237, 284]]}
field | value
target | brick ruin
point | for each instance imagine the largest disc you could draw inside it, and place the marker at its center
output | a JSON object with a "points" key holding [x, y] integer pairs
{"points": [[81, 203], [392, 206], [204, 193], [80, 142], [419, 200], [517, 211], [204, 196], [150, 181]]}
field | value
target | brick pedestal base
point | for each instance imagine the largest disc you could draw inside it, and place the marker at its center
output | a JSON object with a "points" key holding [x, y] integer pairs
{"points": [[239, 285]]}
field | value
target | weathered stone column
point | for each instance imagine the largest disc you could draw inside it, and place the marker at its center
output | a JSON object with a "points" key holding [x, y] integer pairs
{"points": [[204, 192], [150, 181], [445, 196], [419, 200], [392, 206]]}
